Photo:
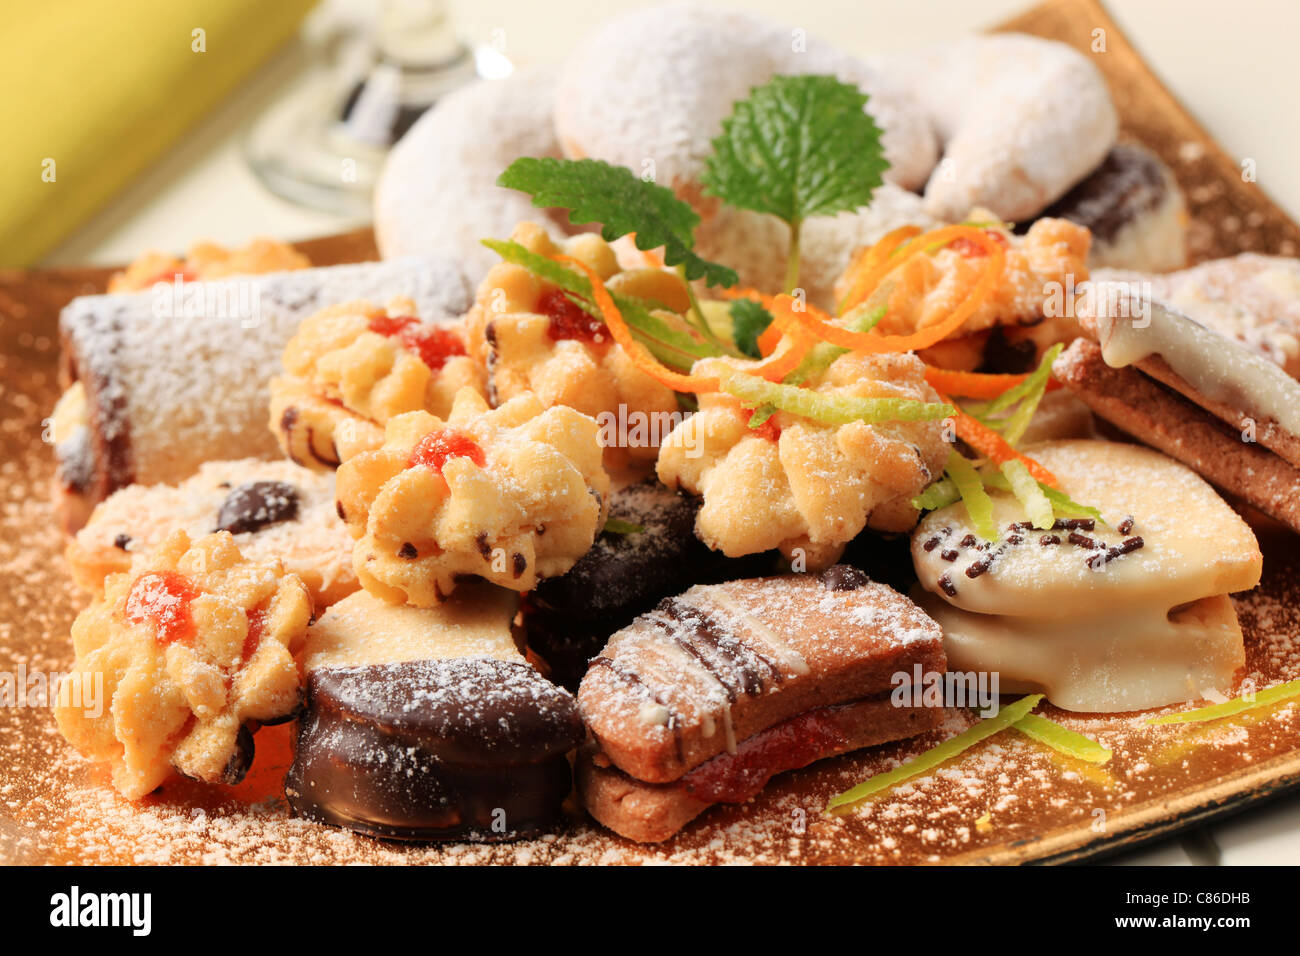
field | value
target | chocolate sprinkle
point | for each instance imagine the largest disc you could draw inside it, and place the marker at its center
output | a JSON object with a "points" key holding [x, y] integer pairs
{"points": [[1126, 525], [946, 585], [122, 541], [1049, 539], [1127, 546], [1083, 541]]}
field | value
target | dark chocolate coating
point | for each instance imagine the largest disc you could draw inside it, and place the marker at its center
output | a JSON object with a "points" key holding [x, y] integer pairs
{"points": [[625, 574], [569, 618], [1129, 182], [462, 749], [257, 504]]}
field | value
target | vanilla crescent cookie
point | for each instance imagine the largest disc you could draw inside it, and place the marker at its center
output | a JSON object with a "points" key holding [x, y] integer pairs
{"points": [[532, 338], [1020, 120], [351, 367], [652, 87], [512, 494], [180, 660], [437, 191], [797, 484]]}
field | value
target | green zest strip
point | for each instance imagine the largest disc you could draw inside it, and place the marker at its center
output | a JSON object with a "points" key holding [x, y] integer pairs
{"points": [[1035, 388], [1231, 708], [1062, 504], [619, 526], [831, 409], [1025, 487], [675, 346], [1062, 739], [932, 758], [971, 488], [938, 494], [821, 356]]}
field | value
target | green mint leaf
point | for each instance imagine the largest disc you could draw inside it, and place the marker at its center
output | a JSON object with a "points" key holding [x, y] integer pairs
{"points": [[622, 202], [799, 146], [749, 320]]}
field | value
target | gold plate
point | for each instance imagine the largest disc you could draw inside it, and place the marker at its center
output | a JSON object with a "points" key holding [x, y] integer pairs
{"points": [[1008, 801]]}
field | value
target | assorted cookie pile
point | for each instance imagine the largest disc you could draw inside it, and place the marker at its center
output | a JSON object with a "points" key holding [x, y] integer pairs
{"points": [[594, 520]]}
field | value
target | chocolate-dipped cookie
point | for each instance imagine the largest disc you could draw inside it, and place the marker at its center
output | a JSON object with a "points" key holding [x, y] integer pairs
{"points": [[428, 724], [654, 553]]}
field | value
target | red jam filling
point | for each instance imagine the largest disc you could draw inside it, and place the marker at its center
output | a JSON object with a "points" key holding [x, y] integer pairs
{"points": [[435, 344], [971, 250], [437, 448], [568, 321], [256, 628], [162, 599], [769, 429], [799, 741]]}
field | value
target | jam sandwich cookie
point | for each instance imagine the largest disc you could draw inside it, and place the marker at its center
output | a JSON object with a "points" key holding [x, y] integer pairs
{"points": [[799, 484], [1251, 298], [351, 367], [274, 509], [428, 724], [180, 660], [157, 387], [646, 551], [208, 260], [707, 697], [532, 338], [1125, 612], [1209, 401], [1133, 209], [511, 494]]}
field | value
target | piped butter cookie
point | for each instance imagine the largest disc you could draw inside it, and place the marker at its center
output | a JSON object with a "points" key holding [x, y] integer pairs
{"points": [[512, 494], [350, 368], [1122, 613], [799, 484], [181, 660], [532, 338]]}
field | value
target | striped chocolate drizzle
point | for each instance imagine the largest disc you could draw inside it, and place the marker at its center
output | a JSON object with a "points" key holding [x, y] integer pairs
{"points": [[747, 670], [633, 680]]}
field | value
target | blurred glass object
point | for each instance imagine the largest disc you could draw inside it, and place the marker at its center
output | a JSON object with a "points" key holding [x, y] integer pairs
{"points": [[322, 144]]}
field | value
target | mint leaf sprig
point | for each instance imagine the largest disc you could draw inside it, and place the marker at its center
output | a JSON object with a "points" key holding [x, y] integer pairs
{"points": [[798, 147], [623, 204]]}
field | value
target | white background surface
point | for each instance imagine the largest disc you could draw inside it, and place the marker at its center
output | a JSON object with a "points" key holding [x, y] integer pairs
{"points": [[1232, 63]]}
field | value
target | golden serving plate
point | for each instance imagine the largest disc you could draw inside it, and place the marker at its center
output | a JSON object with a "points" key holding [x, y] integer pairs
{"points": [[1007, 801]]}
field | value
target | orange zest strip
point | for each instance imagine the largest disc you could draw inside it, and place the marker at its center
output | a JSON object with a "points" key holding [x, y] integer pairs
{"points": [[773, 369], [784, 320], [638, 353], [994, 262], [971, 384], [867, 263], [976, 384], [993, 446]]}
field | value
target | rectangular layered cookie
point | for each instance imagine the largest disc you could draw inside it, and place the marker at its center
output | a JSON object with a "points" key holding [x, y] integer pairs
{"points": [[160, 381], [708, 696]]}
